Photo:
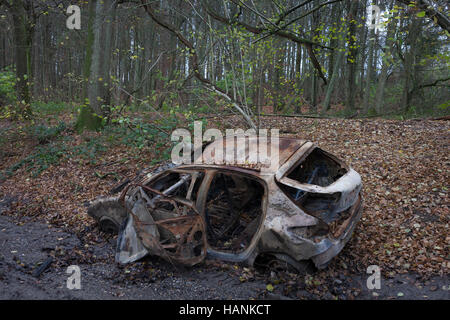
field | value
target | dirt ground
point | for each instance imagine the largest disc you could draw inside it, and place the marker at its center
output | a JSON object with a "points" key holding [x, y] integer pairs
{"points": [[404, 167], [26, 243]]}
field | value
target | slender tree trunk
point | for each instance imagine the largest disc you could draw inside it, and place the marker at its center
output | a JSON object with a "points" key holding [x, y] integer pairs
{"points": [[335, 75], [362, 56], [337, 62], [409, 63], [369, 73], [109, 24], [315, 76], [297, 77], [351, 58], [387, 58], [95, 88], [333, 42], [23, 35], [89, 47]]}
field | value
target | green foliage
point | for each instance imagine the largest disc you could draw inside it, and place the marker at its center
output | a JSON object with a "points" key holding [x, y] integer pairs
{"points": [[393, 94], [53, 147], [87, 119], [9, 108], [371, 112], [44, 133], [444, 106], [344, 113], [38, 161], [199, 109], [421, 14], [50, 108], [91, 149], [228, 82], [141, 134], [147, 135], [7, 90]]}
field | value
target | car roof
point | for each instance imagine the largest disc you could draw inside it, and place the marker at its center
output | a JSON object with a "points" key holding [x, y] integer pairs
{"points": [[286, 148]]}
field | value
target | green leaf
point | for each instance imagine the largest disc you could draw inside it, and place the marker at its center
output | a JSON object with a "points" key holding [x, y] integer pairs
{"points": [[421, 14]]}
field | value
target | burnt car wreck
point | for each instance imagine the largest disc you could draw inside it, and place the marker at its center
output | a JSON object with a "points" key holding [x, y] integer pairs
{"points": [[304, 209]]}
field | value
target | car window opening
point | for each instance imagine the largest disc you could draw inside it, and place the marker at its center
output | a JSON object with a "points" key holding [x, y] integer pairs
{"points": [[318, 169], [233, 211]]}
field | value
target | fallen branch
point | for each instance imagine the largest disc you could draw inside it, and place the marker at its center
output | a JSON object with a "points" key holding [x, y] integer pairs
{"points": [[37, 272], [447, 118], [294, 116]]}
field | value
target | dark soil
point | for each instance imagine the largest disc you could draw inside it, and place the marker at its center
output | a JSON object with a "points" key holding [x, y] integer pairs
{"points": [[27, 243]]}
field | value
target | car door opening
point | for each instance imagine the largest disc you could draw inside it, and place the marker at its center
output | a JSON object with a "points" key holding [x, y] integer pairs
{"points": [[233, 211]]}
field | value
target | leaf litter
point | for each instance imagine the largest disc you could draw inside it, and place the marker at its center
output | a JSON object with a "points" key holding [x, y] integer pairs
{"points": [[403, 165]]}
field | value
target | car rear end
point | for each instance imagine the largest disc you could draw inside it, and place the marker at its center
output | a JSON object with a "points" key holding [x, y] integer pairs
{"points": [[323, 187]]}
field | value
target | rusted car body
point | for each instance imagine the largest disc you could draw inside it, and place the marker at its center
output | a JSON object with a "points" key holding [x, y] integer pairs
{"points": [[305, 208]]}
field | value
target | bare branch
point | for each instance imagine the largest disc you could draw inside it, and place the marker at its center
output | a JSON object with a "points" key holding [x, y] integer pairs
{"points": [[194, 60], [432, 84], [281, 33], [440, 18]]}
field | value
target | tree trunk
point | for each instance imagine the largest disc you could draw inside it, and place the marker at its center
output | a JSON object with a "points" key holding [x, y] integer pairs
{"points": [[23, 35], [337, 62], [369, 72], [334, 77], [351, 58], [89, 46], [387, 57], [98, 60], [297, 77], [109, 23], [409, 63], [314, 83]]}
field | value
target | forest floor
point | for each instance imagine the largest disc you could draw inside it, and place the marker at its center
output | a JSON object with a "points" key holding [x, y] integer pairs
{"points": [[404, 229]]}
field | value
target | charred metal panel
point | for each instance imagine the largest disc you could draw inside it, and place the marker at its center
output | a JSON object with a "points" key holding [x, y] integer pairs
{"points": [[307, 208]]}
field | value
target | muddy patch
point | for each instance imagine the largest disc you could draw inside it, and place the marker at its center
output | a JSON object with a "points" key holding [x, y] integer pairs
{"points": [[26, 245]]}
